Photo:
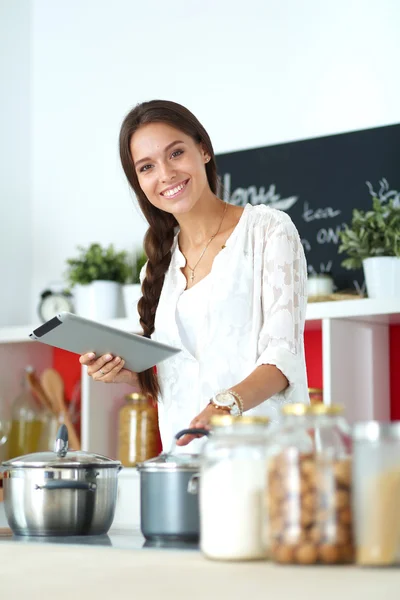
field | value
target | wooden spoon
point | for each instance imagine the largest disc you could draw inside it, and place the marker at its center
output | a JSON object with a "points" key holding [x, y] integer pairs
{"points": [[53, 385], [37, 389]]}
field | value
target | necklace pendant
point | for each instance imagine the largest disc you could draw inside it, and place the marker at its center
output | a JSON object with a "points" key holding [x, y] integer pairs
{"points": [[192, 276]]}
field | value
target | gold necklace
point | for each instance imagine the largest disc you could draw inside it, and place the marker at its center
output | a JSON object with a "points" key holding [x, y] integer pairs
{"points": [[192, 274]]}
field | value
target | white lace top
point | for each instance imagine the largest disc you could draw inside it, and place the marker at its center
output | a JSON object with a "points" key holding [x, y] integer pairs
{"points": [[253, 314]]}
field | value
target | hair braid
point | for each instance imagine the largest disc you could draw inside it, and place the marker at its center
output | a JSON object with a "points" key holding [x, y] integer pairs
{"points": [[160, 235], [157, 245]]}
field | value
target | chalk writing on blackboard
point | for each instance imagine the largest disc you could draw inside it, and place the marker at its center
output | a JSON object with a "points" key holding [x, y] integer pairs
{"points": [[385, 193], [253, 195]]}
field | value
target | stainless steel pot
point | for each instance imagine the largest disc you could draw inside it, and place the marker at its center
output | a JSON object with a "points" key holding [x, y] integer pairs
{"points": [[60, 493], [169, 504]]}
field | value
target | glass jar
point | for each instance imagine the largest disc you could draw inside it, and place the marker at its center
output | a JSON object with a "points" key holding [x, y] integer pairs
{"points": [[309, 486], [137, 430], [26, 423], [376, 493], [232, 489]]}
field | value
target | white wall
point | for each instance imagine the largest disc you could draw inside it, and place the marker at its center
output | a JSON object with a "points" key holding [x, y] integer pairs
{"points": [[15, 172], [255, 73]]}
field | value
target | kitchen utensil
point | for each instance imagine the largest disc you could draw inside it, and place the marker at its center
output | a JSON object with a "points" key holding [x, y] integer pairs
{"points": [[169, 505], [60, 492], [53, 385], [37, 389], [74, 405]]}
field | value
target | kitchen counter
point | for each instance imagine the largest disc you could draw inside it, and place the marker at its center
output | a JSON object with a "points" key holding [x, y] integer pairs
{"points": [[121, 565]]}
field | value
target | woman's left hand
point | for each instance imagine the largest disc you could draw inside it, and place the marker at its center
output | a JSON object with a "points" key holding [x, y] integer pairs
{"points": [[202, 421]]}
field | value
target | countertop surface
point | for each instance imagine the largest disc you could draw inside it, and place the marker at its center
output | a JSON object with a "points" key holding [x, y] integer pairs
{"points": [[120, 565]]}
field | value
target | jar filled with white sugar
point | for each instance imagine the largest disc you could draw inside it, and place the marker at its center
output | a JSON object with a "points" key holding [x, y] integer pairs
{"points": [[233, 489]]}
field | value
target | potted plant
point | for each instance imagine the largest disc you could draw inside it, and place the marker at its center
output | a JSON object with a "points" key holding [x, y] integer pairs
{"points": [[373, 241], [96, 276], [132, 288]]}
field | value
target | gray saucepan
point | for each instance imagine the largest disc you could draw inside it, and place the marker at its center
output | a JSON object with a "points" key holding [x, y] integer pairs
{"points": [[169, 504]]}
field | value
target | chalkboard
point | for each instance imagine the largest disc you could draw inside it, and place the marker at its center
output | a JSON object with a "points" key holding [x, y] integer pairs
{"points": [[318, 182]]}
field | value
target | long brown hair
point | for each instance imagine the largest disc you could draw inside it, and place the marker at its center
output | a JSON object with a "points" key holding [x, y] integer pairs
{"points": [[160, 234]]}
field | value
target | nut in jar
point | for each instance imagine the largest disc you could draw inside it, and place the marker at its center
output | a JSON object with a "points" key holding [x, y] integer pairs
{"points": [[309, 487]]}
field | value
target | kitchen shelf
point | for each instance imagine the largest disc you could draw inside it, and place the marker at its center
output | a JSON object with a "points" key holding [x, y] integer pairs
{"points": [[355, 365], [363, 309], [385, 311]]}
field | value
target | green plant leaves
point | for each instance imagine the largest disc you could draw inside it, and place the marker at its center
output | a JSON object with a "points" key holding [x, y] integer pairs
{"points": [[371, 233], [97, 263]]}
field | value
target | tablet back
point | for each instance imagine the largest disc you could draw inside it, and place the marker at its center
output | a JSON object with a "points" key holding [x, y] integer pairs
{"points": [[79, 335]]}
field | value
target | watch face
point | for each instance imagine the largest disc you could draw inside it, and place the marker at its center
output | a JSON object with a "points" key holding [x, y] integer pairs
{"points": [[224, 399], [52, 304]]}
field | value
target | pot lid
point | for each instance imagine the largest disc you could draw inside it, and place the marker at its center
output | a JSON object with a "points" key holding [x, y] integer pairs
{"points": [[171, 462], [61, 458]]}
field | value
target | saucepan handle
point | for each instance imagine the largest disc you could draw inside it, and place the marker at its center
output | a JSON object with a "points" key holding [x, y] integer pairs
{"points": [[193, 484], [192, 431], [64, 484]]}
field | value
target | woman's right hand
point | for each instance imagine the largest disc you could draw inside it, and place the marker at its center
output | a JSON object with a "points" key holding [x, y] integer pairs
{"points": [[108, 369]]}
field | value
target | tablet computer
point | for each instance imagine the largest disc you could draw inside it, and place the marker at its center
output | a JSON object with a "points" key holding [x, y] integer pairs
{"points": [[80, 335]]}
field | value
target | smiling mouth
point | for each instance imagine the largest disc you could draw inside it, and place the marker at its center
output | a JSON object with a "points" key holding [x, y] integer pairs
{"points": [[174, 191]]}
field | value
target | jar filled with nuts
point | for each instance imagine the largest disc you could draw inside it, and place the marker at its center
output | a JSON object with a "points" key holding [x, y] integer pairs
{"points": [[233, 489], [138, 436], [309, 487]]}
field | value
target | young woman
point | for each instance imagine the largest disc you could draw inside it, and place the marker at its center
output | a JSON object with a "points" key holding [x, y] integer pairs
{"points": [[224, 283]]}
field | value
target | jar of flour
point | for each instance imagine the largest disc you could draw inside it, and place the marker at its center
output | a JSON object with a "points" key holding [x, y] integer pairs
{"points": [[233, 489]]}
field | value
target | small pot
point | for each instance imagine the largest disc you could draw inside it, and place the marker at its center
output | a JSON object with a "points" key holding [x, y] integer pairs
{"points": [[60, 493], [169, 504]]}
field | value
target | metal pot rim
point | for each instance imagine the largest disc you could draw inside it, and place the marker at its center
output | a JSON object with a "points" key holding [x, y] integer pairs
{"points": [[72, 460], [171, 468], [56, 467], [171, 462]]}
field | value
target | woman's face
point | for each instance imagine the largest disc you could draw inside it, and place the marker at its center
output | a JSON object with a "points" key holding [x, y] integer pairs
{"points": [[170, 167]]}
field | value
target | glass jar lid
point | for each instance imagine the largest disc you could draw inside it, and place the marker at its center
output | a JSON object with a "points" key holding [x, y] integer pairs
{"points": [[229, 420], [299, 409], [135, 398]]}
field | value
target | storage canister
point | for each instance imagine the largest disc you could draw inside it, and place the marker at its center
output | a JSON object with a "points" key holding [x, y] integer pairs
{"points": [[309, 486], [233, 523], [376, 493], [138, 437]]}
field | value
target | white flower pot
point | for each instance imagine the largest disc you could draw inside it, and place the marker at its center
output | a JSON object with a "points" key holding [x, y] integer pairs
{"points": [[131, 293], [382, 276], [98, 300]]}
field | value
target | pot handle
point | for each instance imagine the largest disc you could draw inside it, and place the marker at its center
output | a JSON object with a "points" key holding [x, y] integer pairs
{"points": [[193, 484], [193, 430], [63, 484]]}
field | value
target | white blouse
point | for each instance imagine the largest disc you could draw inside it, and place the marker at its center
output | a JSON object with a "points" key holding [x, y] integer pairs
{"points": [[252, 313], [191, 315]]}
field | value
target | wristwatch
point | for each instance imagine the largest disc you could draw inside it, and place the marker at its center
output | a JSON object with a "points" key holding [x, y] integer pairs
{"points": [[229, 401]]}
